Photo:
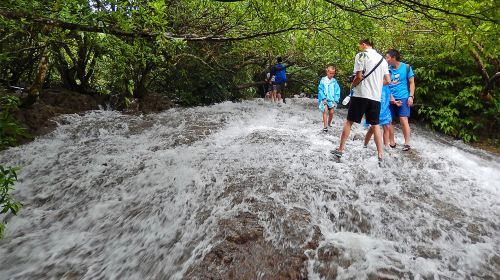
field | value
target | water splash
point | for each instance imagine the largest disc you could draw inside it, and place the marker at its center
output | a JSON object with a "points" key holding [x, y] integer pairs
{"points": [[246, 191]]}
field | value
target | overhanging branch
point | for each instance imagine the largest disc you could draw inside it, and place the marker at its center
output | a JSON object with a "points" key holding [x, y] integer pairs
{"points": [[113, 30]]}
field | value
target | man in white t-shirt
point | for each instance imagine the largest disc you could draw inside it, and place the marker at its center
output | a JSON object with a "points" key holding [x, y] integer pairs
{"points": [[372, 72]]}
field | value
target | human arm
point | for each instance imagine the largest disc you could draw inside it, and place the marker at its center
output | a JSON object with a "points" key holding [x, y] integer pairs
{"points": [[387, 79], [357, 79], [411, 82], [394, 101], [359, 67]]}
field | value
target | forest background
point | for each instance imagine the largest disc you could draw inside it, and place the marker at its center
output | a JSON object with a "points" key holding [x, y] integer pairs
{"points": [[198, 52]]}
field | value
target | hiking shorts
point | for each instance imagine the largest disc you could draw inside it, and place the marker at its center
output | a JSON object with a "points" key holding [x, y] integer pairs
{"points": [[279, 87], [330, 104], [401, 111], [363, 106]]}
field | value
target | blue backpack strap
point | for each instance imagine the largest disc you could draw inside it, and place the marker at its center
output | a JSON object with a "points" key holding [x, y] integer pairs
{"points": [[407, 72], [407, 78]]}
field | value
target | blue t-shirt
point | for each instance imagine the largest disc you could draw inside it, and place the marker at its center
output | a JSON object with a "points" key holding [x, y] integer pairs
{"points": [[399, 81]]}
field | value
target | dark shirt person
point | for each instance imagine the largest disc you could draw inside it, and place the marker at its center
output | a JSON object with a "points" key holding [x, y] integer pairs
{"points": [[279, 73]]}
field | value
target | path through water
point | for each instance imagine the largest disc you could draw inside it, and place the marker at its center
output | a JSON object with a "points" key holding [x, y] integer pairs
{"points": [[246, 191]]}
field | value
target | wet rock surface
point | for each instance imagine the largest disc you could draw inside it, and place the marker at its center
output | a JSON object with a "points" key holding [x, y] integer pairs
{"points": [[245, 191], [241, 252], [38, 118]]}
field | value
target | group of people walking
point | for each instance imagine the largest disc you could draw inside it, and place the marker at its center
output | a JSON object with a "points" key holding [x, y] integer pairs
{"points": [[382, 90]]}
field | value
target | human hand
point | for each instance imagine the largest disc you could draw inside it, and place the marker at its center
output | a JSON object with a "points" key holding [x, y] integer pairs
{"points": [[410, 101]]}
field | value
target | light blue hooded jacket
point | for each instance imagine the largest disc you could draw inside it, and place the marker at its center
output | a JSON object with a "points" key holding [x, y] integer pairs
{"points": [[385, 117], [329, 90]]}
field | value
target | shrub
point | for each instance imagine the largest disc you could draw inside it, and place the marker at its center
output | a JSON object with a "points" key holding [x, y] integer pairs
{"points": [[8, 204]]}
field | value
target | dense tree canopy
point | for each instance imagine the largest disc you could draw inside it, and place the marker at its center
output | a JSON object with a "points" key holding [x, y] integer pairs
{"points": [[205, 51]]}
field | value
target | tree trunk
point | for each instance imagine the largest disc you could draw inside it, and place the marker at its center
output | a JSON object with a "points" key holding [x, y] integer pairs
{"points": [[77, 71], [140, 89], [480, 65], [34, 90], [67, 74], [486, 94]]}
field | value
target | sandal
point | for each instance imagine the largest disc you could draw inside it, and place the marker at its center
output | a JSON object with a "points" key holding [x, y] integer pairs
{"points": [[392, 145], [406, 148], [336, 153], [325, 129]]}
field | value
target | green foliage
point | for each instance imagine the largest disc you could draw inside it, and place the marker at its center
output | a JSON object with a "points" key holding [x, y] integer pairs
{"points": [[195, 83], [450, 87], [10, 130], [449, 94], [8, 203], [443, 40]]}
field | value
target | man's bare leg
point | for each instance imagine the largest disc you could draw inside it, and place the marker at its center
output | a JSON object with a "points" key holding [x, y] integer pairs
{"points": [[405, 126], [345, 135], [368, 136], [378, 139]]}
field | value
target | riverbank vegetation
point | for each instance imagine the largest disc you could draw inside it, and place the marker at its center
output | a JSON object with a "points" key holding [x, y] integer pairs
{"points": [[200, 52], [8, 204]]}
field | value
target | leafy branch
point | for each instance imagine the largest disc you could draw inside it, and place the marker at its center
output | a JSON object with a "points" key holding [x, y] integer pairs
{"points": [[8, 177], [138, 34]]}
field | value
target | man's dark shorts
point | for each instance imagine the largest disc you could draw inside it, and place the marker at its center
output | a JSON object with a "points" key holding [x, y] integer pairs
{"points": [[363, 106], [279, 87]]}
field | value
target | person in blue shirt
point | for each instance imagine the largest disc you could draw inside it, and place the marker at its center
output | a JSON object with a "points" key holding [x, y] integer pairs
{"points": [[328, 96], [385, 119], [279, 73], [402, 88]]}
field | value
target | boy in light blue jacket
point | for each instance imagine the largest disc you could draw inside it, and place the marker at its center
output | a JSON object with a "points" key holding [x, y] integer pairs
{"points": [[328, 96]]}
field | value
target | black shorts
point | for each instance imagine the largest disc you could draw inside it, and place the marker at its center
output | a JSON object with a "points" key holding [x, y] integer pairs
{"points": [[279, 87], [363, 106]]}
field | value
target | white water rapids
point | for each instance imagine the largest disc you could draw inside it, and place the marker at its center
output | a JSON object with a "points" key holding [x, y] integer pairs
{"points": [[246, 191]]}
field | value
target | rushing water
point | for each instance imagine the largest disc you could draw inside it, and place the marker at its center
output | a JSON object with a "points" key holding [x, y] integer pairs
{"points": [[246, 191]]}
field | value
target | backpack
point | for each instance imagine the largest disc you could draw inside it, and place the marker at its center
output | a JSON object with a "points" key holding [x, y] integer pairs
{"points": [[280, 73]]}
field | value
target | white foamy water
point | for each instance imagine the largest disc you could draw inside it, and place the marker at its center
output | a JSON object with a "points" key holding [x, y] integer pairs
{"points": [[112, 196]]}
